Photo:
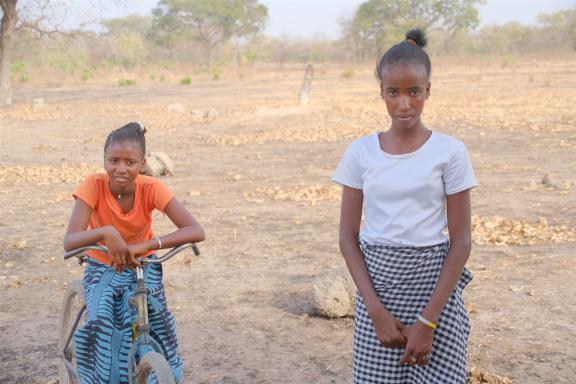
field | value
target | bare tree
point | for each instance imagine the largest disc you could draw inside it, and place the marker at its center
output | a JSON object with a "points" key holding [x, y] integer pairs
{"points": [[9, 19]]}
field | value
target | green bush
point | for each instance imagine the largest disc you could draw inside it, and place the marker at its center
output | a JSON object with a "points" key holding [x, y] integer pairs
{"points": [[216, 72], [126, 82], [348, 73], [186, 81]]}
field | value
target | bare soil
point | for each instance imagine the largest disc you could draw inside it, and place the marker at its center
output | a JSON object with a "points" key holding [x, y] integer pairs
{"points": [[256, 174]]}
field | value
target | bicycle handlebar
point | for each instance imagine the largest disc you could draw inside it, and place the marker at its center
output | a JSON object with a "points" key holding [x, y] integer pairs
{"points": [[104, 249]]}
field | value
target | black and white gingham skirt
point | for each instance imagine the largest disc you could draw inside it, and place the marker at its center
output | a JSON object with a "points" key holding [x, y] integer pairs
{"points": [[404, 278]]}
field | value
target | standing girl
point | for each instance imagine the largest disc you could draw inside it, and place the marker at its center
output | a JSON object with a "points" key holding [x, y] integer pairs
{"points": [[411, 325], [115, 209]]}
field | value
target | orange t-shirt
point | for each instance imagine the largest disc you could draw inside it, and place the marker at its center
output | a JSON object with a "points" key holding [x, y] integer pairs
{"points": [[134, 226]]}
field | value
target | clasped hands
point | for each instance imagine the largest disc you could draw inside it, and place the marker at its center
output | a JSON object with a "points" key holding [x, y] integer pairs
{"points": [[123, 255], [416, 339]]}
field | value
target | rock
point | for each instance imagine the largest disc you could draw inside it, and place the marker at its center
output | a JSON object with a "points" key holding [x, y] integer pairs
{"points": [[548, 181], [159, 164], [334, 293], [211, 114], [176, 108], [37, 105], [52, 381], [198, 114]]}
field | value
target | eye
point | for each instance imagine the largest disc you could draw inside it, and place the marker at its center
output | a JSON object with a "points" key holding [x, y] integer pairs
{"points": [[392, 92], [414, 92]]}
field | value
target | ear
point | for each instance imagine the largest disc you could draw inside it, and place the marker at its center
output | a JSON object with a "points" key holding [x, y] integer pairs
{"points": [[428, 86], [143, 167]]}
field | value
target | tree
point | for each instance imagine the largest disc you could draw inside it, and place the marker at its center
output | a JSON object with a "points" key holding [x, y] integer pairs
{"points": [[376, 24], [211, 22], [9, 19], [562, 24]]}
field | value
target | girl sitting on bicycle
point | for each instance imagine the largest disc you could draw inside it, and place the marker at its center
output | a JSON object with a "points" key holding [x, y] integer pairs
{"points": [[115, 209]]}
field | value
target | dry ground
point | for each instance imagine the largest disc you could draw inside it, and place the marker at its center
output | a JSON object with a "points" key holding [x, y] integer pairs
{"points": [[257, 177]]}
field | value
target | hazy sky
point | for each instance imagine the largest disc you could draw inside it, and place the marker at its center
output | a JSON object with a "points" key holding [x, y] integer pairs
{"points": [[320, 17]]}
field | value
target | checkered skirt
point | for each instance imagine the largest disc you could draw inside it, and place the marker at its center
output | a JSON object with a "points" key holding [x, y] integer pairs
{"points": [[404, 278]]}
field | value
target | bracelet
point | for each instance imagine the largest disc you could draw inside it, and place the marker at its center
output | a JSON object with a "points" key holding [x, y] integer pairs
{"points": [[159, 242], [427, 322]]}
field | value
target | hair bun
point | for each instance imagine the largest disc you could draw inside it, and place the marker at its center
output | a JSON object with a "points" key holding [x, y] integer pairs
{"points": [[143, 129], [418, 36]]}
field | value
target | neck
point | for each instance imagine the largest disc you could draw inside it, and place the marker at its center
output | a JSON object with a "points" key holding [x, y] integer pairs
{"points": [[121, 193], [408, 133]]}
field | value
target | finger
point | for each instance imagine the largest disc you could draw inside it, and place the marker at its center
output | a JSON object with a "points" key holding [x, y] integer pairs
{"points": [[422, 360], [399, 325], [406, 356]]}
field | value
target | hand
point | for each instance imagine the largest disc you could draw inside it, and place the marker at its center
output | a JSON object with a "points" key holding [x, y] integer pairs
{"points": [[419, 338], [388, 328], [117, 248], [135, 250]]}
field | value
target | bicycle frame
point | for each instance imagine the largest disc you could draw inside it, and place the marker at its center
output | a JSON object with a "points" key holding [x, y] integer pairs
{"points": [[142, 341]]}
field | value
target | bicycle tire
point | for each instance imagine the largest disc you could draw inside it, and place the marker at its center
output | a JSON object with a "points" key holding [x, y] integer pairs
{"points": [[71, 304], [154, 362]]}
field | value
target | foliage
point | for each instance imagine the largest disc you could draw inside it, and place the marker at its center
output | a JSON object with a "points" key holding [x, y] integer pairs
{"points": [[186, 81], [348, 73], [561, 26], [377, 24], [211, 22], [125, 82]]}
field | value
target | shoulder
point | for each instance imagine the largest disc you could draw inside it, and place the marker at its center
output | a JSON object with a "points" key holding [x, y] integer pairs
{"points": [[362, 144], [448, 144], [150, 183], [94, 179]]}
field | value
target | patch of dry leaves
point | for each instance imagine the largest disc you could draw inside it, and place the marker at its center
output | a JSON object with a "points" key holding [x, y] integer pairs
{"points": [[330, 125], [311, 194], [65, 173], [496, 230], [478, 377]]}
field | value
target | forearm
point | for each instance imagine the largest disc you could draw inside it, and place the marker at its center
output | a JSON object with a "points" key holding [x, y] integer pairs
{"points": [[82, 238], [449, 276], [359, 272], [187, 234]]}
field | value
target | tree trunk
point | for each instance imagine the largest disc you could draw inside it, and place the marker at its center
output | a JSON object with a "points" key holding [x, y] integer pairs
{"points": [[8, 25]]}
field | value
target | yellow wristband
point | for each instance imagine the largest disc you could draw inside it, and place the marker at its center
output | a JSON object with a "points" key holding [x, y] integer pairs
{"points": [[428, 323]]}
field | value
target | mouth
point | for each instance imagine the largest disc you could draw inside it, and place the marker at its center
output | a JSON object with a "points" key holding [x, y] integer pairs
{"points": [[120, 179], [405, 118]]}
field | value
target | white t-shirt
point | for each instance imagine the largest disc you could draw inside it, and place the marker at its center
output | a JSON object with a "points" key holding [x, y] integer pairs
{"points": [[405, 195]]}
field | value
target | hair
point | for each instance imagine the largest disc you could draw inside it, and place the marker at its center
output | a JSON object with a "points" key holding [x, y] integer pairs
{"points": [[130, 133], [407, 51]]}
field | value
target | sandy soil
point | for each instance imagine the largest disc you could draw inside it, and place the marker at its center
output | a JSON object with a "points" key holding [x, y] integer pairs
{"points": [[257, 177]]}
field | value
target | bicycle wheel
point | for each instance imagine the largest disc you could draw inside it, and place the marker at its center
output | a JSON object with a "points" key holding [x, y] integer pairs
{"points": [[72, 304], [155, 363]]}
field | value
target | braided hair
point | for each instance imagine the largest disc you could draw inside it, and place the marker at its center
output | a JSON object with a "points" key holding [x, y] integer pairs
{"points": [[130, 133], [407, 51]]}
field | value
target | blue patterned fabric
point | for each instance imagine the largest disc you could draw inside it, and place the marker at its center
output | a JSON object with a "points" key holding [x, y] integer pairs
{"points": [[104, 341]]}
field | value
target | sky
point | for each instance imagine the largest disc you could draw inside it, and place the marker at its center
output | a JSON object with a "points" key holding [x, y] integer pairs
{"points": [[313, 18]]}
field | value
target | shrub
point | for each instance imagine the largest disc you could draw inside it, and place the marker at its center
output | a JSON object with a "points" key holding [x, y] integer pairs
{"points": [[126, 82], [186, 81], [348, 73]]}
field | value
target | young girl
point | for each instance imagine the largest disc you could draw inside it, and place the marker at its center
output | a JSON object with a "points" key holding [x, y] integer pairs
{"points": [[411, 325], [114, 209]]}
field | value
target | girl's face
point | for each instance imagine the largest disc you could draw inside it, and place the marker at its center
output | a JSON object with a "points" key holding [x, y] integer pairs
{"points": [[405, 88], [123, 162]]}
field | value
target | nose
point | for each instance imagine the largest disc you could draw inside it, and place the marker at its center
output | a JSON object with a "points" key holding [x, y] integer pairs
{"points": [[404, 103]]}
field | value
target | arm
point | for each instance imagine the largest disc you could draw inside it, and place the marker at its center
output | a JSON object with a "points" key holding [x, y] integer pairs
{"points": [[386, 325], [419, 335], [189, 230], [78, 236]]}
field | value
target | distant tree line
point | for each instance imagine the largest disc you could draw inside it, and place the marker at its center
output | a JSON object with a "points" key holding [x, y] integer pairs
{"points": [[213, 33]]}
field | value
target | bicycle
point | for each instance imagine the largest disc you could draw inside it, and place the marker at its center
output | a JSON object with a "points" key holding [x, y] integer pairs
{"points": [[151, 360]]}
